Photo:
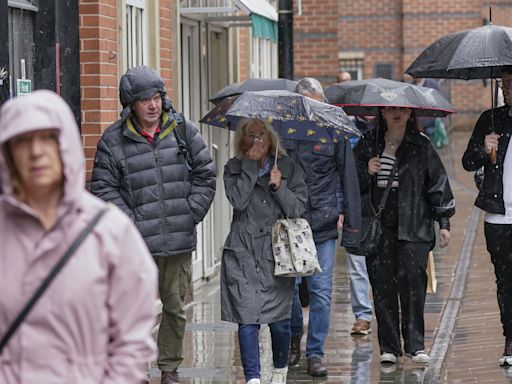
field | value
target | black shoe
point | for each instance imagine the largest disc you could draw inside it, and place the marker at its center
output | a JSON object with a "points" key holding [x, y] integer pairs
{"points": [[506, 359], [316, 368], [294, 357], [170, 377]]}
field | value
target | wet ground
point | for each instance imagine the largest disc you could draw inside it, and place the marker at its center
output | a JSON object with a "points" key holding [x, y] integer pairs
{"points": [[463, 332]]}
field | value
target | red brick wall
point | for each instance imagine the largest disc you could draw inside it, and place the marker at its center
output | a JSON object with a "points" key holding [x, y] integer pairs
{"points": [[245, 54], [168, 44], [98, 71], [390, 32], [316, 38]]}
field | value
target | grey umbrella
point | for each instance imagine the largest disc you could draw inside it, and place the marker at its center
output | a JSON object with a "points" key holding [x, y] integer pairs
{"points": [[364, 97], [253, 85]]}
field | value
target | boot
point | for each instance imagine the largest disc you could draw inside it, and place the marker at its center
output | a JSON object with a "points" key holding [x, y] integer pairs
{"points": [[294, 356], [279, 375], [316, 368]]}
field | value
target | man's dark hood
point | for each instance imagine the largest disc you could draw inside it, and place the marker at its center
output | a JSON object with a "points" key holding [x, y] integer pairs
{"points": [[140, 83]]}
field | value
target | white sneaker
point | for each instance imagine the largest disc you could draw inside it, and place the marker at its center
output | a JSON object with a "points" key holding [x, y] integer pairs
{"points": [[387, 357], [254, 381], [505, 360], [279, 375], [420, 357]]}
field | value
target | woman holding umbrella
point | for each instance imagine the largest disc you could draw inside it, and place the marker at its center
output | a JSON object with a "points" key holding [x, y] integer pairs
{"points": [[420, 194], [262, 184]]}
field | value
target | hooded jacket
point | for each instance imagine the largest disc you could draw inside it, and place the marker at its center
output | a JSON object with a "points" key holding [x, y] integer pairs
{"points": [[93, 324], [151, 182]]}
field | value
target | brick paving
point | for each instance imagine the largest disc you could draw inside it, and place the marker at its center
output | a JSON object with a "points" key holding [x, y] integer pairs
{"points": [[462, 328]]}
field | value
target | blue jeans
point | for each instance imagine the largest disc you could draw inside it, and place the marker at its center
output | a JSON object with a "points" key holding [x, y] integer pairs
{"points": [[320, 289], [248, 338], [359, 287]]}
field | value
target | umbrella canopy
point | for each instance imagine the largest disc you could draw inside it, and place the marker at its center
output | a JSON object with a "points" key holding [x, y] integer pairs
{"points": [[294, 116], [253, 85], [364, 97], [477, 53]]}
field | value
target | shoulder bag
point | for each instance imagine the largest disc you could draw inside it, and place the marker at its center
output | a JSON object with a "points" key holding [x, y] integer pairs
{"points": [[371, 226], [53, 273]]}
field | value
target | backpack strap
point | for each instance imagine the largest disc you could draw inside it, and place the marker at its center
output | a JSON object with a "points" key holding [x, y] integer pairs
{"points": [[180, 133]]}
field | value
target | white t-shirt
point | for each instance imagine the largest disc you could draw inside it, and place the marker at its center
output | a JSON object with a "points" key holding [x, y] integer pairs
{"points": [[496, 218]]}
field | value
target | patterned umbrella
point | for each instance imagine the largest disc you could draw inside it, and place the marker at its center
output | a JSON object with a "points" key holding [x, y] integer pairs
{"points": [[294, 116]]}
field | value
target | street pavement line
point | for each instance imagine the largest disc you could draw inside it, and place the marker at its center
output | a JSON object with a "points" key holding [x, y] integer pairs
{"points": [[432, 372]]}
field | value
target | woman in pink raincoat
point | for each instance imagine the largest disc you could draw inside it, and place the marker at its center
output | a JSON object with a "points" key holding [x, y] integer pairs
{"points": [[93, 324]]}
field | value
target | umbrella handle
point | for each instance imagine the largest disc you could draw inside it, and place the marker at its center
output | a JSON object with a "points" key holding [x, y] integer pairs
{"points": [[492, 155], [273, 186]]}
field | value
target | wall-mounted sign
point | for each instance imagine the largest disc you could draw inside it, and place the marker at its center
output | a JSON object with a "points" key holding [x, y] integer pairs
{"points": [[24, 87]]}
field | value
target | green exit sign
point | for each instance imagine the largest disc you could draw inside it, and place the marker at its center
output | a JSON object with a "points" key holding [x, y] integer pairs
{"points": [[24, 87]]}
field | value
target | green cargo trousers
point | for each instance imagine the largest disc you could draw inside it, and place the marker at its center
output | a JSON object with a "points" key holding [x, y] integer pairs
{"points": [[174, 276]]}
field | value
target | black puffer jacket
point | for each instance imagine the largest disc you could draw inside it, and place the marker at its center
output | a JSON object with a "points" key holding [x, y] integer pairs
{"points": [[152, 184], [490, 198], [424, 192], [324, 166]]}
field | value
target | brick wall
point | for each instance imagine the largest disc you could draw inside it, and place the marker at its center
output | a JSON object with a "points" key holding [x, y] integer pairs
{"points": [[390, 32], [98, 71], [316, 40], [245, 54], [168, 44]]}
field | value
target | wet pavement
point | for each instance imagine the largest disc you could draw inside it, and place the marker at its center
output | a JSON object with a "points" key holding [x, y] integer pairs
{"points": [[462, 327]]}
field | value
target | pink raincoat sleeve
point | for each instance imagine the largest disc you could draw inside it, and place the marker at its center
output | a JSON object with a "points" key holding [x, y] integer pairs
{"points": [[131, 302]]}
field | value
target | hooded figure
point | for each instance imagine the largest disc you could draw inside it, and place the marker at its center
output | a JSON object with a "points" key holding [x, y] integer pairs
{"points": [[155, 166], [93, 323]]}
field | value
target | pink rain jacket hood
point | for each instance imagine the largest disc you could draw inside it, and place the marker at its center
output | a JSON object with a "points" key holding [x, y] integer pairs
{"points": [[93, 324]]}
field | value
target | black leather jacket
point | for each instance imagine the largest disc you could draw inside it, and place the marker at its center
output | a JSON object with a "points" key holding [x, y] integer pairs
{"points": [[490, 198], [424, 192]]}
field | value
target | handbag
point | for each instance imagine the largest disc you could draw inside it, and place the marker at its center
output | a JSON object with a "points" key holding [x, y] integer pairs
{"points": [[371, 226], [294, 248], [53, 273]]}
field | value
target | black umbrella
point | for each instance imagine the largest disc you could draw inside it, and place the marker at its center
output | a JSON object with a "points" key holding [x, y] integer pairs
{"points": [[365, 97], [294, 116], [253, 85], [478, 53]]}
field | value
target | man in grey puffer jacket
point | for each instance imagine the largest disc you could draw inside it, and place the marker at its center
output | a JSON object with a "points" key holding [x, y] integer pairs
{"points": [[157, 169]]}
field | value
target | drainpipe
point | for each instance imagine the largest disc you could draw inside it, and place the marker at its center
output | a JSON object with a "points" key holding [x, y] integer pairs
{"points": [[285, 44]]}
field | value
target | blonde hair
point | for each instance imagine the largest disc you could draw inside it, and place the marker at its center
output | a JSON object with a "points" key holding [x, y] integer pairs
{"points": [[241, 132]]}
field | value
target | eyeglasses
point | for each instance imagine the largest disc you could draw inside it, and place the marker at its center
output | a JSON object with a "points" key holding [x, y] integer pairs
{"points": [[254, 136], [504, 83]]}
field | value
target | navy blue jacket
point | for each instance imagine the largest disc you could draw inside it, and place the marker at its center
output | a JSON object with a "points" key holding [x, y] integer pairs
{"points": [[324, 165]]}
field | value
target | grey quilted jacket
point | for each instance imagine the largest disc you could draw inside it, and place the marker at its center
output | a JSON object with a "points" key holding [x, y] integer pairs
{"points": [[152, 184]]}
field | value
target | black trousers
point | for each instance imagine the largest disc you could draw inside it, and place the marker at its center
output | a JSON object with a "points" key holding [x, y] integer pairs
{"points": [[499, 244], [399, 282]]}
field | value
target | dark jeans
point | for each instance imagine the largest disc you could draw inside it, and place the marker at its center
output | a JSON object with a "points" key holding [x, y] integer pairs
{"points": [[248, 338], [398, 272], [499, 245]]}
